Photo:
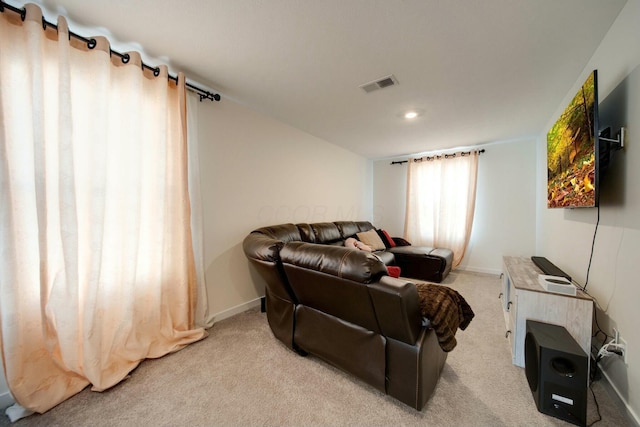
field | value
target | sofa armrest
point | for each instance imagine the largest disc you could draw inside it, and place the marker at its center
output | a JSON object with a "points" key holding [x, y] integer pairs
{"points": [[399, 241], [397, 308], [261, 247]]}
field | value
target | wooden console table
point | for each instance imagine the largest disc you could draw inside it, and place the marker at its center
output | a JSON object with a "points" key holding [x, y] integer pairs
{"points": [[524, 298]]}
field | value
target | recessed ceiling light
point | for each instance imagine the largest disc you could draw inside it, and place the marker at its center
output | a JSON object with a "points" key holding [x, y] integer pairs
{"points": [[410, 115]]}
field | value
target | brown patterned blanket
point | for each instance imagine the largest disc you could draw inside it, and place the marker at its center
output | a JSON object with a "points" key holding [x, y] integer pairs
{"points": [[447, 311]]}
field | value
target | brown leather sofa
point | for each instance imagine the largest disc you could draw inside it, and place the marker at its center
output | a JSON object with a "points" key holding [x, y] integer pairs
{"points": [[340, 305]]}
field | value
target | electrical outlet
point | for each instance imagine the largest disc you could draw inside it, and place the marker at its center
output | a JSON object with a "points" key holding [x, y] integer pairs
{"points": [[625, 349]]}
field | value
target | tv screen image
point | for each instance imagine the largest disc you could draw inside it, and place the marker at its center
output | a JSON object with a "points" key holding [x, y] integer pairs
{"points": [[571, 151]]}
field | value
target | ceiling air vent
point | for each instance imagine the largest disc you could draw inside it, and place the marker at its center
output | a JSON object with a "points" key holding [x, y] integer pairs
{"points": [[380, 83]]}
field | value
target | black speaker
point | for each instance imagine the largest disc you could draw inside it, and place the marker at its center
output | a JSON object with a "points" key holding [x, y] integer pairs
{"points": [[557, 371]]}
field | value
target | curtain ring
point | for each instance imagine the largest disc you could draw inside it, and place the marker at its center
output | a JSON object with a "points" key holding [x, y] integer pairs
{"points": [[125, 58], [23, 12], [156, 71], [91, 43]]}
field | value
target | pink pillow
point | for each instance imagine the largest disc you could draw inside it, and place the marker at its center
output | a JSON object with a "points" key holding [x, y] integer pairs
{"points": [[363, 247], [352, 243]]}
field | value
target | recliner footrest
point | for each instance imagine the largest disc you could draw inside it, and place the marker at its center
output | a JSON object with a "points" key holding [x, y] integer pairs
{"points": [[423, 262]]}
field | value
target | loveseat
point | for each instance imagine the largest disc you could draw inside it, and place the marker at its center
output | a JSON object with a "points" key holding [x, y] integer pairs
{"points": [[340, 304]]}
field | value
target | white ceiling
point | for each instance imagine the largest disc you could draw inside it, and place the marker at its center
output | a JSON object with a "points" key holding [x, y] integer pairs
{"points": [[480, 71]]}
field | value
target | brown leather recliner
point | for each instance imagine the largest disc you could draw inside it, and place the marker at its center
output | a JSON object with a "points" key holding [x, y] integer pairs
{"points": [[340, 305]]}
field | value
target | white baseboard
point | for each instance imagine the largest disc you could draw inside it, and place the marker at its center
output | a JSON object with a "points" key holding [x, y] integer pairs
{"points": [[634, 417], [6, 400], [236, 310], [480, 270]]}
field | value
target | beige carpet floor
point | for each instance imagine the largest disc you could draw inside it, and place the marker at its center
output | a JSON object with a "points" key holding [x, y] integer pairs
{"points": [[242, 376]]}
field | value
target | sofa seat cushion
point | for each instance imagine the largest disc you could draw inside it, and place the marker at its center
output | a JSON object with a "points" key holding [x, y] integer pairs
{"points": [[412, 250], [445, 254], [386, 257]]}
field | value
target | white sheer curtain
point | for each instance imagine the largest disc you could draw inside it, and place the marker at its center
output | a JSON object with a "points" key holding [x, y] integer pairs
{"points": [[202, 317], [96, 262], [441, 195]]}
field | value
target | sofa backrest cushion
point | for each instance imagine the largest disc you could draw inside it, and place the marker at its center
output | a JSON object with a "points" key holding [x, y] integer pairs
{"points": [[347, 228], [364, 225], [350, 228], [333, 280], [306, 233], [356, 265], [325, 233]]}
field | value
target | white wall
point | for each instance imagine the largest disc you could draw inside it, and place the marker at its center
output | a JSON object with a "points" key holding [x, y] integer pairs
{"points": [[504, 220], [257, 172], [389, 195], [565, 236]]}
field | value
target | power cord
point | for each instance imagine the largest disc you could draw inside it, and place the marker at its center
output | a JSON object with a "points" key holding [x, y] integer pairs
{"points": [[586, 282], [606, 350], [592, 379], [595, 317], [609, 348], [596, 402], [593, 242]]}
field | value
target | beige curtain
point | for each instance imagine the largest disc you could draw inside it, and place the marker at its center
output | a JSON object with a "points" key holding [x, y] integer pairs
{"points": [[96, 263], [441, 195]]}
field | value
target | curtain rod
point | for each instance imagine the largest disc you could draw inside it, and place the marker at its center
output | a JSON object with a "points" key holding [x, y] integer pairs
{"points": [[446, 156], [91, 43]]}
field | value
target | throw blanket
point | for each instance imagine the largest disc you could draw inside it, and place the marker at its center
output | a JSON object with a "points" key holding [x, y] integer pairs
{"points": [[446, 309]]}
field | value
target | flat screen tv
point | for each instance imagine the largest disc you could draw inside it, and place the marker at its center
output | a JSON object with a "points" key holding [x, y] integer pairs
{"points": [[572, 151]]}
